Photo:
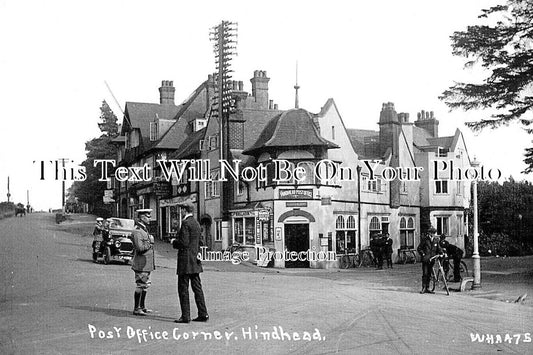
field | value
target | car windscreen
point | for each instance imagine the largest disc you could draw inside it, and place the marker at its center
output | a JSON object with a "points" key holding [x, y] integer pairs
{"points": [[121, 223]]}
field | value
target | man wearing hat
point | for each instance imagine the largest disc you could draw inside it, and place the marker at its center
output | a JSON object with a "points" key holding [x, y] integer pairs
{"points": [[188, 243], [143, 260], [428, 248], [98, 237]]}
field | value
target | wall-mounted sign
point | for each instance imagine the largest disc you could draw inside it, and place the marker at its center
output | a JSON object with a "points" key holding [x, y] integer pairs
{"points": [[174, 201], [263, 215], [296, 204], [325, 200], [296, 194], [162, 189], [278, 233]]}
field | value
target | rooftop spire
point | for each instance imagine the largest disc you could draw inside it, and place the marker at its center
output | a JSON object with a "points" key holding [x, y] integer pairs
{"points": [[296, 87]]}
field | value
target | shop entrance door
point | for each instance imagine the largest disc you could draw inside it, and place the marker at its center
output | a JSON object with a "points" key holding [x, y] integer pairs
{"points": [[297, 239]]}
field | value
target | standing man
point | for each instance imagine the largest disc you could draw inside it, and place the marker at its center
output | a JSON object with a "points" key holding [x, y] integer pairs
{"points": [[380, 249], [188, 244], [388, 249], [428, 248], [143, 260]]}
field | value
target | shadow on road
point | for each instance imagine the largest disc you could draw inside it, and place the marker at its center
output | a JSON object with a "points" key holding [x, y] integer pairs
{"points": [[122, 313]]}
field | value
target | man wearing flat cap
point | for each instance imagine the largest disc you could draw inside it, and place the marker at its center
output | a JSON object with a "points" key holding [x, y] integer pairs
{"points": [[143, 260], [188, 243], [428, 248]]}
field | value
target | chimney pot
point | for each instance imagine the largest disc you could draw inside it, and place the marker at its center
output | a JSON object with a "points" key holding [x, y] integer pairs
{"points": [[241, 86], [270, 104], [431, 114], [275, 106], [418, 115]]}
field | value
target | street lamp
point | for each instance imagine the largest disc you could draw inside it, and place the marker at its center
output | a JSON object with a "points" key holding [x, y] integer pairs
{"points": [[477, 262]]}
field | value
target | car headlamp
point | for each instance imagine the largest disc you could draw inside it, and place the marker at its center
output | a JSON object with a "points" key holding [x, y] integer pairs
{"points": [[117, 244]]}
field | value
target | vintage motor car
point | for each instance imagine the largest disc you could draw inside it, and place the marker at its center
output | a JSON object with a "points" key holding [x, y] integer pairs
{"points": [[116, 243]]}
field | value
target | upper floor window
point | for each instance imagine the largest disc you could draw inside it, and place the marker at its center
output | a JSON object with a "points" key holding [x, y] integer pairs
{"points": [[239, 188], [309, 171], [441, 186], [375, 185]]}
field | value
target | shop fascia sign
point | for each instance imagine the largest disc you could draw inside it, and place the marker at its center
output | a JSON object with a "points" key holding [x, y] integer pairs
{"points": [[174, 201], [296, 194]]}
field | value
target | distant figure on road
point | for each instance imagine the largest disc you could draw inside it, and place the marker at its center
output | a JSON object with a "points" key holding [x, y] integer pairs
{"points": [[188, 243], [98, 231], [456, 254], [387, 249], [143, 260], [428, 248]]}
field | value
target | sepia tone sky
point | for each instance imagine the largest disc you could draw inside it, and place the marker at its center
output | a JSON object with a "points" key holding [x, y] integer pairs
{"points": [[56, 55]]}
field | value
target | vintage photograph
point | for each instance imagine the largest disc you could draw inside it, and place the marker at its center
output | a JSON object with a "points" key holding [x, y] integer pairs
{"points": [[283, 177]]}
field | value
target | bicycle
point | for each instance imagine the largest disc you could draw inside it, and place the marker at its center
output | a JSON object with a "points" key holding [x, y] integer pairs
{"points": [[235, 247], [407, 256], [366, 258], [448, 266], [349, 260], [438, 276]]}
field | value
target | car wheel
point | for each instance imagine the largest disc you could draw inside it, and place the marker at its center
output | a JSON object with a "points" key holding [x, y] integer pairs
{"points": [[126, 261], [107, 255]]}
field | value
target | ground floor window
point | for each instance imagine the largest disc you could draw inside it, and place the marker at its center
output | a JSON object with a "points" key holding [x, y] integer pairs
{"points": [[244, 230], [218, 232], [374, 227], [407, 233], [345, 234], [443, 225]]}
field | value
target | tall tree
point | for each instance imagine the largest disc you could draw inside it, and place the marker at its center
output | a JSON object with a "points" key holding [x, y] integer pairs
{"points": [[505, 48], [91, 190]]}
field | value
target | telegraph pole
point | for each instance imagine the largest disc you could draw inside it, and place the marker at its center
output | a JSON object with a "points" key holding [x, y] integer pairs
{"points": [[63, 185], [8, 193], [224, 37]]}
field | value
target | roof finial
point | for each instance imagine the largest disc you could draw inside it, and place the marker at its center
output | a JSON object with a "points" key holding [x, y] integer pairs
{"points": [[296, 87]]}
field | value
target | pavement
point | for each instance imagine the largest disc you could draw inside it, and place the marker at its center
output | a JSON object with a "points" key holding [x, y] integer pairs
{"points": [[56, 301]]}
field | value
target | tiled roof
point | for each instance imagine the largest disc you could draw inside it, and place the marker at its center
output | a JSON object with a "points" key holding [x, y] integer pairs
{"points": [[365, 142], [445, 142], [420, 137], [290, 129], [190, 146]]}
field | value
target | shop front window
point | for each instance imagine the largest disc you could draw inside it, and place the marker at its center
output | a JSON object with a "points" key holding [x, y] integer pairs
{"points": [[249, 226], [345, 234], [238, 230]]}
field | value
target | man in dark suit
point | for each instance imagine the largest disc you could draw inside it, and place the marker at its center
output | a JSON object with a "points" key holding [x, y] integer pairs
{"points": [[428, 248], [387, 241], [188, 244]]}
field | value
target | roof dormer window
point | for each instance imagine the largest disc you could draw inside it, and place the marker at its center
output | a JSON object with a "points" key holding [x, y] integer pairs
{"points": [[154, 131], [442, 152]]}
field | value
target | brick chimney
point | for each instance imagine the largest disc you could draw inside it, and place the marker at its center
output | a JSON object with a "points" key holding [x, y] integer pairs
{"points": [[388, 128], [260, 89], [166, 93], [427, 121]]}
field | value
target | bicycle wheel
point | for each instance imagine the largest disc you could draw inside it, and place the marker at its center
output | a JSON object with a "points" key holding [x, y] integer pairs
{"points": [[356, 260], [463, 269], [345, 262]]}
